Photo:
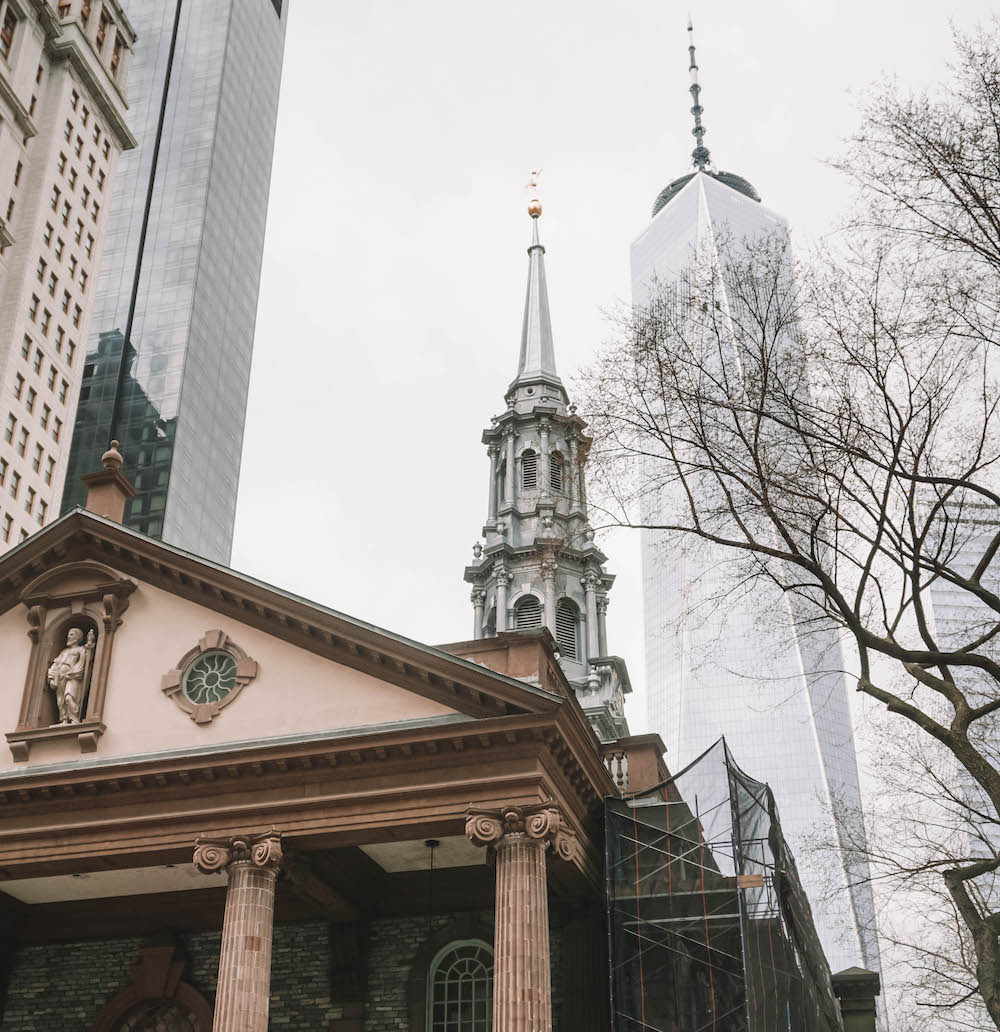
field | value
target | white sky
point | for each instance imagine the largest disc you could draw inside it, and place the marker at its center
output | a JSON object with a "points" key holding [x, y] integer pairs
{"points": [[394, 267]]}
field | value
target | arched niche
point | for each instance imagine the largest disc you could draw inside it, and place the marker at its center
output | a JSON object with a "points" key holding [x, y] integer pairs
{"points": [[87, 595]]}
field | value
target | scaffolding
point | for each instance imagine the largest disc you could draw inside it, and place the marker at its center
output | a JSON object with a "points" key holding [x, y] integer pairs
{"points": [[709, 927]]}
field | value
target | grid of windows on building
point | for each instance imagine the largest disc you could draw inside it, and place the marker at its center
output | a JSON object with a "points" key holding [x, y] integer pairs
{"points": [[174, 393], [56, 181]]}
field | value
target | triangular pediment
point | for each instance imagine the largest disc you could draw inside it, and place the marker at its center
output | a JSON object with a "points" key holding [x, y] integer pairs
{"points": [[288, 667]]}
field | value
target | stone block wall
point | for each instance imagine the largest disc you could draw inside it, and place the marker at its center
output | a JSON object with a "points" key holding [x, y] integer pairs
{"points": [[62, 988]]}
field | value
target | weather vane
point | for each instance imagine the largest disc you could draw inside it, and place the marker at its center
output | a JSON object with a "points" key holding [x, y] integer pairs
{"points": [[534, 204]]}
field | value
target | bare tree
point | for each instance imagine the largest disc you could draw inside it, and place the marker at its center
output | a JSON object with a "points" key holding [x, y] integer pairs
{"points": [[835, 427]]}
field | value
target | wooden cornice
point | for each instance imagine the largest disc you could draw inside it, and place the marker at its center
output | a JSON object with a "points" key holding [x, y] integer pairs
{"points": [[460, 685]]}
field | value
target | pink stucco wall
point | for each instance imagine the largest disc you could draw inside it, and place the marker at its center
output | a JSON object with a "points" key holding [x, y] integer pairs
{"points": [[294, 692]]}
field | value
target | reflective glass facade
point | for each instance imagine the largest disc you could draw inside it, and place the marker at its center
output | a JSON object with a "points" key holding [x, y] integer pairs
{"points": [[175, 393], [742, 669]]}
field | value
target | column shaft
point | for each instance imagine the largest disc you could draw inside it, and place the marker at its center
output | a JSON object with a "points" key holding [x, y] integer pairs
{"points": [[478, 598], [593, 647], [502, 601], [244, 991], [522, 980]]}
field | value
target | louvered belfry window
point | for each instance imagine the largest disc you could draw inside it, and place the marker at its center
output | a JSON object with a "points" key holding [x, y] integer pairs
{"points": [[566, 629], [529, 469], [555, 473], [528, 613]]}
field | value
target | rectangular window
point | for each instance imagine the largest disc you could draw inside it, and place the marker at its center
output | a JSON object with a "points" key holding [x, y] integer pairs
{"points": [[32, 105], [53, 372], [70, 352], [67, 211], [72, 265], [40, 269], [7, 32], [54, 200], [60, 244], [50, 466], [61, 164], [85, 12], [60, 337], [10, 209], [46, 319], [78, 148], [25, 346], [8, 430], [17, 173], [33, 308], [116, 54], [57, 428], [97, 134], [18, 386], [8, 522], [77, 312], [73, 177], [107, 149], [86, 114], [95, 211], [102, 30], [46, 412], [47, 235], [85, 197], [22, 536], [79, 230], [74, 99], [22, 441], [29, 500], [83, 280], [36, 462], [15, 483], [29, 401], [53, 283], [40, 518], [38, 359], [91, 162], [63, 391], [66, 301], [3, 472], [68, 131], [90, 245], [100, 180]]}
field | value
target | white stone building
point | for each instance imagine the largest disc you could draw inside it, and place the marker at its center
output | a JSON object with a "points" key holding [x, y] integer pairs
{"points": [[63, 70]]}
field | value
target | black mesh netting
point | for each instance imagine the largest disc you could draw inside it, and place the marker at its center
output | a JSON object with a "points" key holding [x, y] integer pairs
{"points": [[710, 928]]}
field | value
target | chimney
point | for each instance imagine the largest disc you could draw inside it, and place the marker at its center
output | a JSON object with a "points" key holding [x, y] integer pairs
{"points": [[108, 490]]}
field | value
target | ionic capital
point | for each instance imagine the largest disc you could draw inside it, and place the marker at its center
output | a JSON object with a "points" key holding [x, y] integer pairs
{"points": [[542, 823], [213, 853]]}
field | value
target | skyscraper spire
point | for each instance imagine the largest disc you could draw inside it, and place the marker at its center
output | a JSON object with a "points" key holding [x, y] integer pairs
{"points": [[700, 154], [538, 357]]}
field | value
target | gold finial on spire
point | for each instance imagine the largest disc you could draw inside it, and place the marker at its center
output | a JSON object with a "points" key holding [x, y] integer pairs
{"points": [[534, 204]]}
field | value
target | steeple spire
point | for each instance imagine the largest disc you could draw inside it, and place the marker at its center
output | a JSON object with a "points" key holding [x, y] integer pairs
{"points": [[538, 357], [700, 154]]}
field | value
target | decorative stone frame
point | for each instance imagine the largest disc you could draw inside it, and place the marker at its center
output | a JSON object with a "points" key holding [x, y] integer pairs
{"points": [[213, 641], [156, 978], [76, 593]]}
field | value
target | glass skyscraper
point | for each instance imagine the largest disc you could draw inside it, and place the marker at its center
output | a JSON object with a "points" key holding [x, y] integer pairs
{"points": [[168, 361], [724, 662]]}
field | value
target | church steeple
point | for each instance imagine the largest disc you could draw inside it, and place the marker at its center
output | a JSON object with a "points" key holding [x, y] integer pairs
{"points": [[539, 565]]}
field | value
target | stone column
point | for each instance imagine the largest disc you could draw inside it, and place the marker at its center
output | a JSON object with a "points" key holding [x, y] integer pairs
{"points": [[602, 624], [492, 452], [508, 490], [503, 579], [518, 837], [478, 599], [543, 455], [252, 863], [549, 582], [590, 584], [574, 478]]}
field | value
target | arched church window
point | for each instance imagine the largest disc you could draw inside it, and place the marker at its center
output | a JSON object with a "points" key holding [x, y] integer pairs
{"points": [[528, 613], [460, 988], [529, 469], [567, 629], [555, 472]]}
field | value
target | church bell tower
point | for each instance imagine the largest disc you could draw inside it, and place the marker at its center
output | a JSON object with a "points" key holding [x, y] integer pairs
{"points": [[539, 565]]}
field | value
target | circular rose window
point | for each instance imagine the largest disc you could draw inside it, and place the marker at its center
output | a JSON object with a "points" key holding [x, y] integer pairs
{"points": [[210, 678]]}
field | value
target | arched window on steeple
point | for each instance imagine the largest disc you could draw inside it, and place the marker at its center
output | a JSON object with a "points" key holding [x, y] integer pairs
{"points": [[502, 481], [529, 470], [555, 472], [527, 613], [568, 629]]}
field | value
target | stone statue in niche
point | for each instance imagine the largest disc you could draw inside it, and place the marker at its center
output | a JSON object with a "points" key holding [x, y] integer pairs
{"points": [[69, 674]]}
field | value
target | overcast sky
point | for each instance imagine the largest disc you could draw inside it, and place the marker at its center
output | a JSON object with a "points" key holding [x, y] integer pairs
{"points": [[395, 262]]}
